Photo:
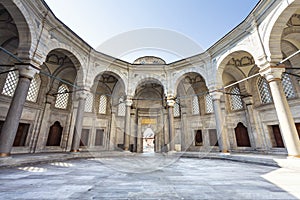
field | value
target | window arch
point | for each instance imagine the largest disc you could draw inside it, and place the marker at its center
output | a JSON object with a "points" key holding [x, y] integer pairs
{"points": [[62, 97], [235, 99], [177, 108], [264, 91], [89, 103], [103, 104], [121, 107], [195, 106]]}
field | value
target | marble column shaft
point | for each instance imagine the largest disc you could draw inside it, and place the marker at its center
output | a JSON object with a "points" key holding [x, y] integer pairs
{"points": [[11, 124], [222, 137], [170, 104], [128, 104], [286, 122]]}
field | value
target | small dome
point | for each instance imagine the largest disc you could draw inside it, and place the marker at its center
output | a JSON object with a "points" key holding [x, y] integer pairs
{"points": [[149, 60]]}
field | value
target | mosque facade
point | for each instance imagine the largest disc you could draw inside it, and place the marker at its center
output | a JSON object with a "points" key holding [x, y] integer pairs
{"points": [[58, 94]]}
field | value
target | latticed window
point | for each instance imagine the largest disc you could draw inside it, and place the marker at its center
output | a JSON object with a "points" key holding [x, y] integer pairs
{"points": [[288, 86], [235, 99], [10, 83], [89, 103], [62, 97], [103, 104], [177, 108], [121, 107], [209, 104], [264, 90], [34, 88], [195, 106]]}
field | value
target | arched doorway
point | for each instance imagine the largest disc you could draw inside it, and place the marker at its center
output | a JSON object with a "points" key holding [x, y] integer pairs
{"points": [[148, 108], [55, 133], [242, 137]]}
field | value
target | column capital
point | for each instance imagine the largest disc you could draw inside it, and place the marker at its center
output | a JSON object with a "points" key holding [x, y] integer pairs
{"points": [[248, 100], [82, 94], [216, 95], [272, 73], [128, 101], [27, 70]]}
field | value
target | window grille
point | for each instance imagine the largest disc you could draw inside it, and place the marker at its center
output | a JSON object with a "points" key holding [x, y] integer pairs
{"points": [[209, 104], [34, 88], [121, 107], [89, 103], [288, 86], [62, 97], [264, 91], [235, 99], [103, 104], [195, 106], [10, 83], [177, 108]]}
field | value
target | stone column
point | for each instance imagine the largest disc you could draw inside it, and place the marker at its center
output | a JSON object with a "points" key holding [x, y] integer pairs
{"points": [[128, 103], [113, 141], [11, 124], [140, 137], [222, 135], [255, 139], [286, 121], [185, 141], [81, 96], [170, 104]]}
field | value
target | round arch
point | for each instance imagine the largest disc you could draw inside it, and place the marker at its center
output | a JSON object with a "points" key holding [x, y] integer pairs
{"points": [[146, 78], [180, 75], [275, 27]]}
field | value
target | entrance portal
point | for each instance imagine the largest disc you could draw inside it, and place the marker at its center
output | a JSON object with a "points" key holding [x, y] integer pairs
{"points": [[148, 140]]}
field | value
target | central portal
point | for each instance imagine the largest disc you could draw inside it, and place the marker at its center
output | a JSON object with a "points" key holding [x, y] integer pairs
{"points": [[148, 103]]}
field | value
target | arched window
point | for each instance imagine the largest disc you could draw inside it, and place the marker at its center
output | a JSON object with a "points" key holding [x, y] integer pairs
{"points": [[235, 99], [177, 108], [209, 104], [264, 91], [89, 103], [288, 86], [34, 89], [10, 83], [121, 107], [195, 106], [62, 97], [103, 104]]}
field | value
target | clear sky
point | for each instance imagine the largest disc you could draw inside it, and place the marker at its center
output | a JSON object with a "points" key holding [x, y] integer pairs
{"points": [[203, 22]]}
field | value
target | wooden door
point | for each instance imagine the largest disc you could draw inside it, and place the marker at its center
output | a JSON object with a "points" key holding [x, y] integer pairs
{"points": [[198, 138], [277, 136], [99, 137], [55, 134], [21, 136], [242, 137], [298, 129]]}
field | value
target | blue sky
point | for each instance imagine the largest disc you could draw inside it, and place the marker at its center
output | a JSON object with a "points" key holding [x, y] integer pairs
{"points": [[203, 22]]}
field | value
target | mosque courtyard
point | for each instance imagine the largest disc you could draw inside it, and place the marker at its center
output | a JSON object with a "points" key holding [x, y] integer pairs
{"points": [[149, 177]]}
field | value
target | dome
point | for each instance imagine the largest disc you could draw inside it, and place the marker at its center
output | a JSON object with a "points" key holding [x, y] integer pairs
{"points": [[149, 60]]}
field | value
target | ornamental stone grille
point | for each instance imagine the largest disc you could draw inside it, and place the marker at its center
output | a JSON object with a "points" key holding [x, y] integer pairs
{"points": [[62, 97], [121, 108], [89, 103], [103, 104], [177, 108], [10, 83], [235, 99], [209, 104], [34, 88], [195, 105], [288, 86], [264, 91]]}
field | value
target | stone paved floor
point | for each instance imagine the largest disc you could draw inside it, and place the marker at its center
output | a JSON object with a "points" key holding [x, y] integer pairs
{"points": [[149, 177]]}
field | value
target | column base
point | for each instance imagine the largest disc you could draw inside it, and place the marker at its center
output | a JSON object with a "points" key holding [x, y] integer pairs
{"points": [[74, 151], [4, 155], [293, 157]]}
